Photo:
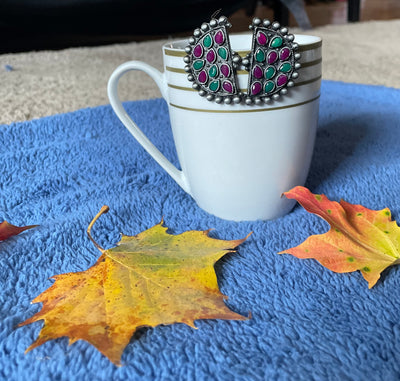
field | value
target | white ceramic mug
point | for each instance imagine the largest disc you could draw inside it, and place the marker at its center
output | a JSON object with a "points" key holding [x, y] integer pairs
{"points": [[236, 159]]}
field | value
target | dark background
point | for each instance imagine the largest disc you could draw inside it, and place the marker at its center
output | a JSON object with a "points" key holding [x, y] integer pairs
{"points": [[57, 24]]}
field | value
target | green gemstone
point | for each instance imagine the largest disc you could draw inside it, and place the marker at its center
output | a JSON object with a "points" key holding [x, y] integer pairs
{"points": [[207, 42], [285, 67], [213, 71], [276, 42], [269, 86], [270, 72], [260, 55], [198, 64], [214, 85], [223, 53]]}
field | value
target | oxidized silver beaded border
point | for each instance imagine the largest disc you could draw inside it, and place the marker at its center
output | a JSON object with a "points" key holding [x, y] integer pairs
{"points": [[233, 61], [271, 30]]}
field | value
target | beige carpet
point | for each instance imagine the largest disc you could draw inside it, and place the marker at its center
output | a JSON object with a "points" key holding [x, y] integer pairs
{"points": [[50, 82]]}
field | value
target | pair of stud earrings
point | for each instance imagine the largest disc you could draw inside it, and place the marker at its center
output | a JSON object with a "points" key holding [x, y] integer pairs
{"points": [[212, 65]]}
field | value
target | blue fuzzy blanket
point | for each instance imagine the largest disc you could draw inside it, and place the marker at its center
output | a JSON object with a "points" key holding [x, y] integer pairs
{"points": [[307, 323]]}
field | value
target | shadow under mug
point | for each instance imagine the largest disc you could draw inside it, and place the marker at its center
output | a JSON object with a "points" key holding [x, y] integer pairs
{"points": [[236, 159]]}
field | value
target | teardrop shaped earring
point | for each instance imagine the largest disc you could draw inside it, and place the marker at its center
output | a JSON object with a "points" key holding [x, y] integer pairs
{"points": [[211, 63], [272, 62]]}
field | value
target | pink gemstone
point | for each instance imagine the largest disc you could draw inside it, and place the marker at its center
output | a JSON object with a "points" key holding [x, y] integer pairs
{"points": [[256, 88], [211, 56], [228, 86], [261, 38], [272, 57], [284, 54], [203, 77], [257, 72], [198, 51], [225, 70], [219, 37], [281, 80]]}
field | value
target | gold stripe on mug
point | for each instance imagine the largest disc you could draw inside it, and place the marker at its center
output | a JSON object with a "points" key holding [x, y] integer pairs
{"points": [[243, 53], [175, 70], [302, 48], [181, 87], [305, 48], [242, 72], [296, 84], [310, 63], [242, 111], [175, 53]]}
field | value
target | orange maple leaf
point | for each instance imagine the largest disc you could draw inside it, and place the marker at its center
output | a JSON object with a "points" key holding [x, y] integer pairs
{"points": [[149, 279], [359, 238], [7, 230]]}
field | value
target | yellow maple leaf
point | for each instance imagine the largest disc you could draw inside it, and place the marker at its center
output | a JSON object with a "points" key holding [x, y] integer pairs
{"points": [[149, 279]]}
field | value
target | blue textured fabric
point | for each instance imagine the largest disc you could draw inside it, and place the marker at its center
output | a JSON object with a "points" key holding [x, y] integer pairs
{"points": [[307, 322]]}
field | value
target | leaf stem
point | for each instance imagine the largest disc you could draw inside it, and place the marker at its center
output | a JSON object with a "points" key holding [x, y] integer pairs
{"points": [[104, 209]]}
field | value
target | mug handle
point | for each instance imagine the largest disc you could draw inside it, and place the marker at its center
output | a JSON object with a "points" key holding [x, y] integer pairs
{"points": [[116, 104]]}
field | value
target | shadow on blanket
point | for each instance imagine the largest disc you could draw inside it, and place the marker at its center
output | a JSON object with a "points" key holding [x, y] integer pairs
{"points": [[335, 142]]}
